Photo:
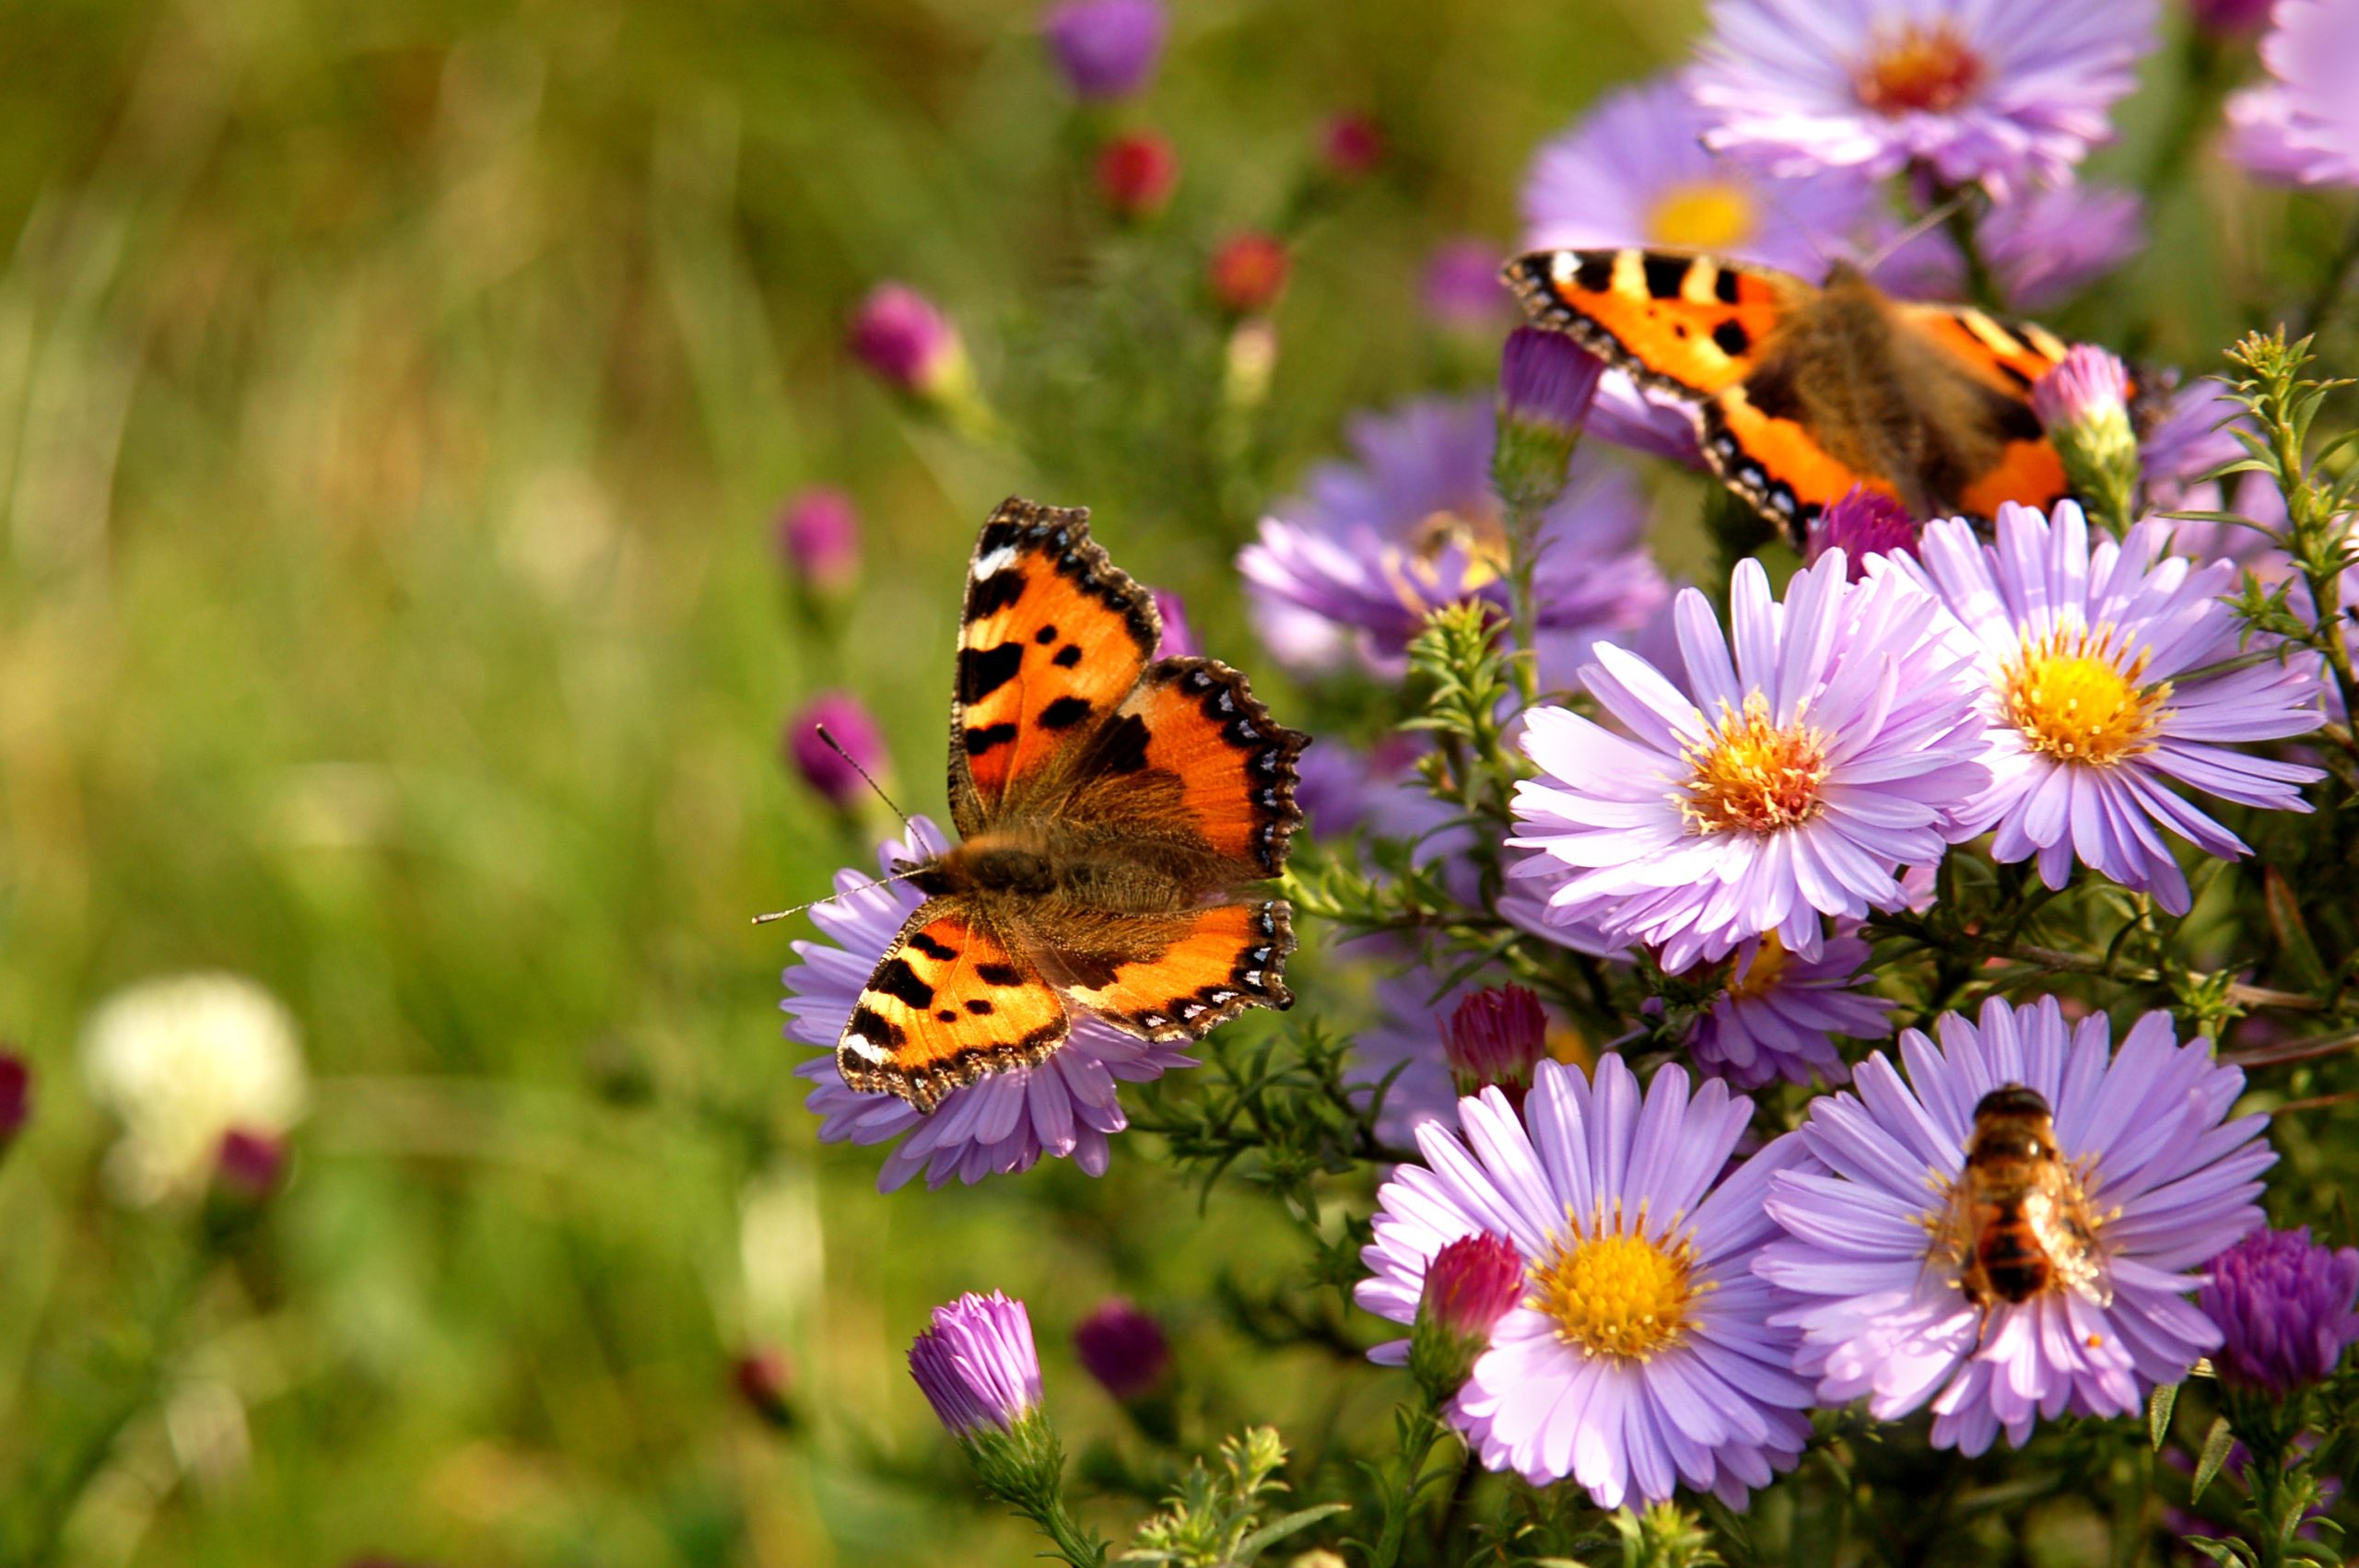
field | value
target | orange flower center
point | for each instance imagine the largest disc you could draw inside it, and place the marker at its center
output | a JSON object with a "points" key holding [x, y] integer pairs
{"points": [[1918, 67], [1754, 775], [1703, 215]]}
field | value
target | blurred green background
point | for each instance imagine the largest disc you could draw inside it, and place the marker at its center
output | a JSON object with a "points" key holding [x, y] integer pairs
{"points": [[394, 404]]}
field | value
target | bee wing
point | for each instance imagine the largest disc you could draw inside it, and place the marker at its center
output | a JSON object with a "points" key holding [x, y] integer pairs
{"points": [[2058, 1221]]}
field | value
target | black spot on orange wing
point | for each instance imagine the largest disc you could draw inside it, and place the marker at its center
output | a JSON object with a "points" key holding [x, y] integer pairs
{"points": [[1196, 722], [1664, 317], [1036, 578], [916, 1031], [1177, 977]]}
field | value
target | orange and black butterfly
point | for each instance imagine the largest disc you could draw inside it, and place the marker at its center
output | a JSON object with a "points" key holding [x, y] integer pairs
{"points": [[1800, 392], [1113, 809]]}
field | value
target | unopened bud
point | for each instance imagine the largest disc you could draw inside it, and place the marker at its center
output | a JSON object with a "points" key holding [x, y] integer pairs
{"points": [[1861, 523], [1470, 1285], [1546, 384], [1495, 1035], [2084, 403]]}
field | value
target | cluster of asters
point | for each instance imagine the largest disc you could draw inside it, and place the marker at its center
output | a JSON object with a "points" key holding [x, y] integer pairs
{"points": [[1623, 1284]]}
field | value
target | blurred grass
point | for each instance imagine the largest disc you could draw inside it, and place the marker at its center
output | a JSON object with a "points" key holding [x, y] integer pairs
{"points": [[392, 402]]}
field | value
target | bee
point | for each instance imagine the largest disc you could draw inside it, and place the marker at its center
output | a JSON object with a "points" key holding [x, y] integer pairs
{"points": [[2018, 1218]]}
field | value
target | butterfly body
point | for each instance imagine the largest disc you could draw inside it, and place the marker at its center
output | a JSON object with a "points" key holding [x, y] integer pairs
{"points": [[1111, 807], [1801, 393]]}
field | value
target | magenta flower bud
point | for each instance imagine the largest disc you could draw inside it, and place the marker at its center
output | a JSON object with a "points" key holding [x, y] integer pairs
{"points": [[977, 1366], [764, 1380], [250, 1164], [2229, 18], [1352, 146], [898, 333], [1495, 1035], [818, 538], [1136, 174], [16, 1095], [1861, 523], [1462, 292], [821, 766], [1105, 48], [1124, 1349], [2286, 1307], [1179, 637], [1470, 1285]]}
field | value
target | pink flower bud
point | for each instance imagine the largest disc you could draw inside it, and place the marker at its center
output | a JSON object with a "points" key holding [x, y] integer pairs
{"points": [[1123, 1348], [1136, 174], [898, 333], [1470, 1285], [818, 538], [1352, 146], [1864, 523], [250, 1164], [821, 766], [764, 1380], [1495, 1035], [16, 1095]]}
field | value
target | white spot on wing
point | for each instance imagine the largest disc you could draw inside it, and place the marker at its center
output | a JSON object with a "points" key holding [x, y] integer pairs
{"points": [[867, 1049], [991, 565]]}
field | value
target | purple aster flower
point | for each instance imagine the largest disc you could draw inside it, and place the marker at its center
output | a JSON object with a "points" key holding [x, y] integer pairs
{"points": [[2187, 436], [2005, 92], [1179, 637], [818, 538], [1065, 1107], [1123, 1348], [1775, 1016], [1787, 784], [835, 779], [1634, 170], [2287, 1309], [1105, 48], [1462, 292], [2042, 248], [2302, 127], [1862, 523], [1359, 558], [2081, 655], [1644, 1352], [977, 1366], [2163, 1179]]}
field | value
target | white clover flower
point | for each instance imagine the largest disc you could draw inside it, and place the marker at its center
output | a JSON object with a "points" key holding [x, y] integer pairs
{"points": [[181, 1061]]}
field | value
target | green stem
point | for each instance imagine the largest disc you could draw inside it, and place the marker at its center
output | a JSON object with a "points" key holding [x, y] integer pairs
{"points": [[1523, 534], [1959, 221], [1402, 1499], [1076, 1545]]}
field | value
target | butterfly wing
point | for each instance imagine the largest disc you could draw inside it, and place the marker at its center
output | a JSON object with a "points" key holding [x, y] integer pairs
{"points": [[1991, 365], [1053, 637], [1175, 977], [1192, 774], [1684, 325], [951, 1001]]}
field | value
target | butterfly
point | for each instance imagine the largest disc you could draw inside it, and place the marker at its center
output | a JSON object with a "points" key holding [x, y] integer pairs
{"points": [[1798, 394], [1111, 807]]}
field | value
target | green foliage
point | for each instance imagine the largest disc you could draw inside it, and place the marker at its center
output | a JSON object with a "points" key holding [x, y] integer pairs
{"points": [[1215, 1520]]}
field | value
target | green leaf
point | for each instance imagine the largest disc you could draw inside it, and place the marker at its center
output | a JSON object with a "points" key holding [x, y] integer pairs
{"points": [[2216, 1443], [2158, 1414], [1277, 1530]]}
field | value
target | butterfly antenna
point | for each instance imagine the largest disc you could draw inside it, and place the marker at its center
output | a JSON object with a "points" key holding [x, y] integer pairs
{"points": [[1916, 231], [837, 746], [830, 898]]}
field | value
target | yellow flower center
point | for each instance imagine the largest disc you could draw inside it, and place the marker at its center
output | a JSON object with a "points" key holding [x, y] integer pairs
{"points": [[1918, 67], [1761, 976], [1703, 215], [1754, 775], [1617, 1292], [2077, 696], [1563, 1043], [1481, 537]]}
